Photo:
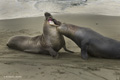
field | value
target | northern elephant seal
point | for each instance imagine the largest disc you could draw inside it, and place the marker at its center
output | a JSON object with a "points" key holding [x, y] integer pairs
{"points": [[90, 42], [51, 41]]}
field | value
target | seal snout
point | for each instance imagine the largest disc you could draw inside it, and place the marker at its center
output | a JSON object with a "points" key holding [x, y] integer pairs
{"points": [[51, 20], [48, 15]]}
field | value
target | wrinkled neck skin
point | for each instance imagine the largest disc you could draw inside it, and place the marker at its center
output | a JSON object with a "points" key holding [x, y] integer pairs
{"points": [[67, 30], [73, 32]]}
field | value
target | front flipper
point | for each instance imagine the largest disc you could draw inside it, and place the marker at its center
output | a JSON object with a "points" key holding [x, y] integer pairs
{"points": [[84, 47], [31, 51], [84, 54], [67, 50], [53, 53]]}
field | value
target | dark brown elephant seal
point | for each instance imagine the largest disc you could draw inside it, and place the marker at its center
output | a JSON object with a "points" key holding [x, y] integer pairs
{"points": [[90, 42], [51, 41]]}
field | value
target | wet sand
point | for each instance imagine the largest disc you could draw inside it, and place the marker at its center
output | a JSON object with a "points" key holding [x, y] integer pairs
{"points": [[17, 65]]}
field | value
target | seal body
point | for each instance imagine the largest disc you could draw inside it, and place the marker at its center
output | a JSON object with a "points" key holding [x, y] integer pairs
{"points": [[91, 42], [51, 41], [27, 44]]}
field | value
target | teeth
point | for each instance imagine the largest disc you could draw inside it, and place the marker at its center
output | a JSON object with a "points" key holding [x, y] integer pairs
{"points": [[51, 22]]}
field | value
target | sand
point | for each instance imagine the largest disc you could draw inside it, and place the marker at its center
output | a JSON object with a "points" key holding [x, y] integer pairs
{"points": [[17, 65]]}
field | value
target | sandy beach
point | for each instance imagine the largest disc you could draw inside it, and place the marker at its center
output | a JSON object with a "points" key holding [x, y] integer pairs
{"points": [[17, 65]]}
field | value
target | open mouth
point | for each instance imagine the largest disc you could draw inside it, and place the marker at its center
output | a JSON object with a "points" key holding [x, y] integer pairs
{"points": [[54, 22], [51, 22]]}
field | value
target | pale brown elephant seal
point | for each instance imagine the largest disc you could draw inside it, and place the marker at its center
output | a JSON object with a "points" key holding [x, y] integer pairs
{"points": [[51, 41]]}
